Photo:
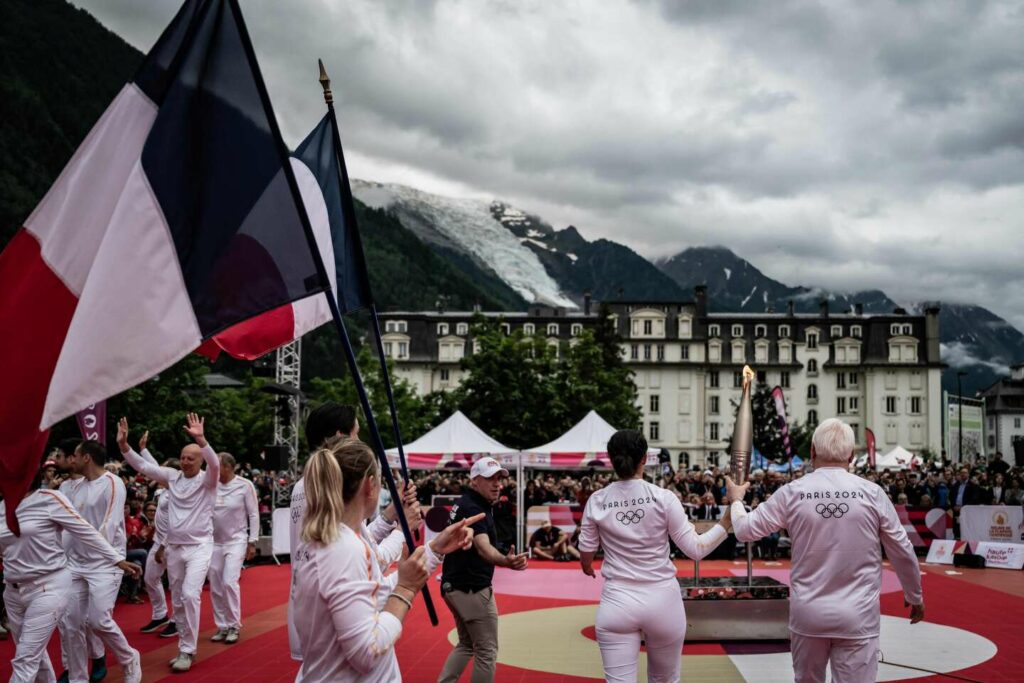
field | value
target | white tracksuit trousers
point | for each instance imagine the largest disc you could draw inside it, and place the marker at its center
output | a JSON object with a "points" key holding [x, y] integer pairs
{"points": [[225, 571], [853, 660], [631, 611], [91, 607], [33, 610], [187, 566], [154, 584]]}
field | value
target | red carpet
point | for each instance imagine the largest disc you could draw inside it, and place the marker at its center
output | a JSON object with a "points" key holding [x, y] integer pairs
{"points": [[965, 601]]}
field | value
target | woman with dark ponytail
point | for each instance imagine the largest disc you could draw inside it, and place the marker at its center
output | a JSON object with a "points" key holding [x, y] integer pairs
{"points": [[347, 614], [632, 520]]}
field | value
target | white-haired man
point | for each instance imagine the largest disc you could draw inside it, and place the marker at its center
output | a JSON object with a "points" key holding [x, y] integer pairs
{"points": [[838, 523]]}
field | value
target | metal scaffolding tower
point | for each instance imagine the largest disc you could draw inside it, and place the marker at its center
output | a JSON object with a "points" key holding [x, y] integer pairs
{"points": [[287, 416]]}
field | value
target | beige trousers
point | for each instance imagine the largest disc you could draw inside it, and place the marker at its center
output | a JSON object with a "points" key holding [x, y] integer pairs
{"points": [[476, 619]]}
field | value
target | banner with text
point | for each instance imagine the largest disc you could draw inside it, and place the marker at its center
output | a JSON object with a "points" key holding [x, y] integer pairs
{"points": [[994, 523], [1002, 555], [973, 419], [92, 422]]}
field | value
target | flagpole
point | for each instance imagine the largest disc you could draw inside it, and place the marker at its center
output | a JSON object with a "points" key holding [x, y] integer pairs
{"points": [[357, 379], [350, 219]]}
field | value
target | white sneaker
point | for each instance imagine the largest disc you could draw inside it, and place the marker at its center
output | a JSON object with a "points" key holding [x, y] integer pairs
{"points": [[231, 636], [133, 669], [183, 663], [219, 635]]}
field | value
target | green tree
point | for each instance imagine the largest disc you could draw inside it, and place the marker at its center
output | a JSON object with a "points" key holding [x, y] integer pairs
{"points": [[415, 415], [523, 393]]}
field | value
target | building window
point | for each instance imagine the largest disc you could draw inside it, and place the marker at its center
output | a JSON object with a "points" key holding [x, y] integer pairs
{"points": [[529, 329], [647, 351], [739, 352], [552, 329], [856, 435], [837, 331], [784, 380], [915, 405], [760, 330], [761, 352], [785, 353], [890, 405], [442, 329], [855, 332], [854, 404], [812, 367], [713, 379], [684, 352], [812, 391], [762, 377], [506, 329], [685, 328], [654, 403], [841, 405], [737, 379], [576, 329], [403, 349], [462, 328], [1016, 423], [908, 330], [654, 431], [894, 330], [737, 330], [648, 328], [634, 352], [713, 331], [390, 326], [713, 431], [784, 331], [713, 407], [661, 352], [812, 340], [812, 417], [841, 380], [388, 348], [853, 379], [445, 374]]}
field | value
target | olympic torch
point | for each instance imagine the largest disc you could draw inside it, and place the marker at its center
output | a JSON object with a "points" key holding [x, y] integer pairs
{"points": [[742, 433]]}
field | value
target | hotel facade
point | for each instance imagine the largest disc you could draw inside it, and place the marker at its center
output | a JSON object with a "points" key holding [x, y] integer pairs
{"points": [[878, 372]]}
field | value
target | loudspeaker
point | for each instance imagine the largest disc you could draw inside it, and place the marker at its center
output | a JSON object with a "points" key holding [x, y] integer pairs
{"points": [[275, 458], [970, 561]]}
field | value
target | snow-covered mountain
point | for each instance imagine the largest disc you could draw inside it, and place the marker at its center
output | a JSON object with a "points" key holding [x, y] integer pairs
{"points": [[467, 226]]}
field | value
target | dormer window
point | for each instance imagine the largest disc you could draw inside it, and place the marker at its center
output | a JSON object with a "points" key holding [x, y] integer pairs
{"points": [[856, 332], [812, 340], [784, 331], [576, 329], [714, 331], [760, 331], [737, 330], [506, 329], [529, 329], [442, 329], [552, 329], [837, 331]]}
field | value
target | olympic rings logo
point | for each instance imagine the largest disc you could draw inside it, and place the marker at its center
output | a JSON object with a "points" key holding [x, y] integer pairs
{"points": [[832, 510], [628, 517]]}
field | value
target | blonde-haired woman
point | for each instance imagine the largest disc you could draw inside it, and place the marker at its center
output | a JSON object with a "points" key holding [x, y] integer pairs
{"points": [[337, 572]]}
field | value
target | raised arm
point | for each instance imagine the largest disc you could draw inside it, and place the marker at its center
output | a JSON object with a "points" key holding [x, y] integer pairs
{"points": [[161, 475], [685, 536], [901, 555], [195, 427]]}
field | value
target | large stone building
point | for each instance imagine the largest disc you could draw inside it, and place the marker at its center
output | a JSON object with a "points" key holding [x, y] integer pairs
{"points": [[1004, 416], [875, 371]]}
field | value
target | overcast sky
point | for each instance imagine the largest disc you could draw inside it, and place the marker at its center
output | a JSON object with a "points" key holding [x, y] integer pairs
{"points": [[872, 144]]}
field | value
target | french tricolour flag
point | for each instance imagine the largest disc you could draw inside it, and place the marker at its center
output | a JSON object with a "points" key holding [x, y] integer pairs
{"points": [[180, 216], [323, 181]]}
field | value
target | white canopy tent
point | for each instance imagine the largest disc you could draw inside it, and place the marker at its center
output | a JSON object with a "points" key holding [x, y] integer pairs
{"points": [[453, 443], [899, 458], [584, 445]]}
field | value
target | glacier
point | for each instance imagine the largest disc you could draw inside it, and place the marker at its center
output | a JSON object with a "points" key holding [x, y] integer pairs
{"points": [[468, 225]]}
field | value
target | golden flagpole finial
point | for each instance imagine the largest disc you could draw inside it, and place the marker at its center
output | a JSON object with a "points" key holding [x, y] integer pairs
{"points": [[325, 82]]}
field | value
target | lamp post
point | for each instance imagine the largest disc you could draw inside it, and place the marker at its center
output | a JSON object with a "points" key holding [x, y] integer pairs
{"points": [[960, 418]]}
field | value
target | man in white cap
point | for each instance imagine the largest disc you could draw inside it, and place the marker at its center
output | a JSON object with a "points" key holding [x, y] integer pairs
{"points": [[839, 524], [466, 578]]}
